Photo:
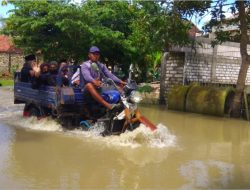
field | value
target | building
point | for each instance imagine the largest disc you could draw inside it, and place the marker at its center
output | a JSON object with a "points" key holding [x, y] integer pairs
{"points": [[194, 31], [233, 29]]}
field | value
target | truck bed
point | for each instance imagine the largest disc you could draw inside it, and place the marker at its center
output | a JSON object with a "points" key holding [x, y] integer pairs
{"points": [[48, 96]]}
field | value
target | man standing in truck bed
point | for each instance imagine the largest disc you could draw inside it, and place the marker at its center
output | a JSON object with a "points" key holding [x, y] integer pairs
{"points": [[30, 69]]}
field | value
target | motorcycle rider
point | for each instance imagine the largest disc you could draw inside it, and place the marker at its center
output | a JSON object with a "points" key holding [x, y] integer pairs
{"points": [[92, 72]]}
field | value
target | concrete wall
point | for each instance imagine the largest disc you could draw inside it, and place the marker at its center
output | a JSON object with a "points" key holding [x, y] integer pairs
{"points": [[8, 62], [203, 64], [207, 68], [172, 72]]}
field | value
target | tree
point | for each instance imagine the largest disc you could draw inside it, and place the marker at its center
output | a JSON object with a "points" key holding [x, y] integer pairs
{"points": [[155, 29], [50, 26], [244, 40], [126, 33], [241, 18], [110, 21], [63, 30], [155, 61]]}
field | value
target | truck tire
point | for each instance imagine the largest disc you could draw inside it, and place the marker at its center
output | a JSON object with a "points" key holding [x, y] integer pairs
{"points": [[35, 112]]}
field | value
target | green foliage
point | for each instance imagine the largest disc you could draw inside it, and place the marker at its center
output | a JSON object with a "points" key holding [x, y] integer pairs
{"points": [[43, 25], [154, 61], [126, 33], [189, 8], [4, 2], [13, 69], [146, 88]]}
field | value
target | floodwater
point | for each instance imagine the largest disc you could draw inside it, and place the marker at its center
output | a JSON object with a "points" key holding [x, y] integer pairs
{"points": [[188, 151]]}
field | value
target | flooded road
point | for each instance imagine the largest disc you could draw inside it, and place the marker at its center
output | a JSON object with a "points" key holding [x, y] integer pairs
{"points": [[188, 151]]}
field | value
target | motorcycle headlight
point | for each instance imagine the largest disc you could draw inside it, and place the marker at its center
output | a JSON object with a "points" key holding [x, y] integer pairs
{"points": [[135, 97]]}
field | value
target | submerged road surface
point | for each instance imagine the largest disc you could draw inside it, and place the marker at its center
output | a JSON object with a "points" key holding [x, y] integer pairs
{"points": [[188, 151]]}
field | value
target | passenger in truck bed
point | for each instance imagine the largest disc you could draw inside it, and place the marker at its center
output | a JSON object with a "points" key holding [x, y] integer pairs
{"points": [[30, 69], [53, 71], [44, 74], [64, 73]]}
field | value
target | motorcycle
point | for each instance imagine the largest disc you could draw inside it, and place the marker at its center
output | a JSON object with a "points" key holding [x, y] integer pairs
{"points": [[127, 116]]}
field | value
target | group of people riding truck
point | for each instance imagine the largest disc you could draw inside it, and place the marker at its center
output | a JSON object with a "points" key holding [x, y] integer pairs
{"points": [[45, 74], [92, 72]]}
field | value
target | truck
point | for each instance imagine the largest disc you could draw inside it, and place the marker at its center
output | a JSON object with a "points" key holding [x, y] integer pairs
{"points": [[70, 107]]}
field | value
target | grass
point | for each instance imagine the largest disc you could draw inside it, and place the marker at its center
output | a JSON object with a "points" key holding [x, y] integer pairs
{"points": [[6, 82]]}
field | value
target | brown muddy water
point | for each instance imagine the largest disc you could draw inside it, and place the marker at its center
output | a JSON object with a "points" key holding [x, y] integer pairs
{"points": [[188, 151]]}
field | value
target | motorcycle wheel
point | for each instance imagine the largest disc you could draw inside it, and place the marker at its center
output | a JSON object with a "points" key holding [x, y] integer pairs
{"points": [[113, 127], [134, 126]]}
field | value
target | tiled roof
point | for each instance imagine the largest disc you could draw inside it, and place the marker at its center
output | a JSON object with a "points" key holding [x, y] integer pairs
{"points": [[7, 46]]}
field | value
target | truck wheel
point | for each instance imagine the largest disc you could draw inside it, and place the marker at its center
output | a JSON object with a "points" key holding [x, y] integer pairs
{"points": [[33, 111]]}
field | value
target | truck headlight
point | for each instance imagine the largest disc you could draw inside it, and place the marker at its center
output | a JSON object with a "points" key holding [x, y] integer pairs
{"points": [[135, 97]]}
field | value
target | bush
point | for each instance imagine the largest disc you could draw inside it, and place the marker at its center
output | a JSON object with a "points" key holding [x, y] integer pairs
{"points": [[146, 88]]}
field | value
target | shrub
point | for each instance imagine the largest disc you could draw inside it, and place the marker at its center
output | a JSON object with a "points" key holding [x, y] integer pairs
{"points": [[146, 88]]}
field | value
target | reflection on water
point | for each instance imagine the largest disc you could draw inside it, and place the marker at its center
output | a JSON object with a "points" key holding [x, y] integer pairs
{"points": [[188, 151], [204, 173]]}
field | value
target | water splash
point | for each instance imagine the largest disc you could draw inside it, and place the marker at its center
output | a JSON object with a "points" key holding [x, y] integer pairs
{"points": [[143, 136], [46, 124], [93, 133], [134, 145], [8, 111]]}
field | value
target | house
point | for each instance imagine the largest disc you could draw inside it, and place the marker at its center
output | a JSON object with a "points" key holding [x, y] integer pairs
{"points": [[194, 31], [233, 29], [11, 58]]}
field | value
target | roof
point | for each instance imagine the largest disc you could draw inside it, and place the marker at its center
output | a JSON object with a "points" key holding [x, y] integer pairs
{"points": [[192, 32], [7, 46]]}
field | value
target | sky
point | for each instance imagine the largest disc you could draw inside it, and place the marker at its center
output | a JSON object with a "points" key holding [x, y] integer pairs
{"points": [[5, 9]]}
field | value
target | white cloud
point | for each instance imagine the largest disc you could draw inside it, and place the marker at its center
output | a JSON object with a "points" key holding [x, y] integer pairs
{"points": [[77, 1]]}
